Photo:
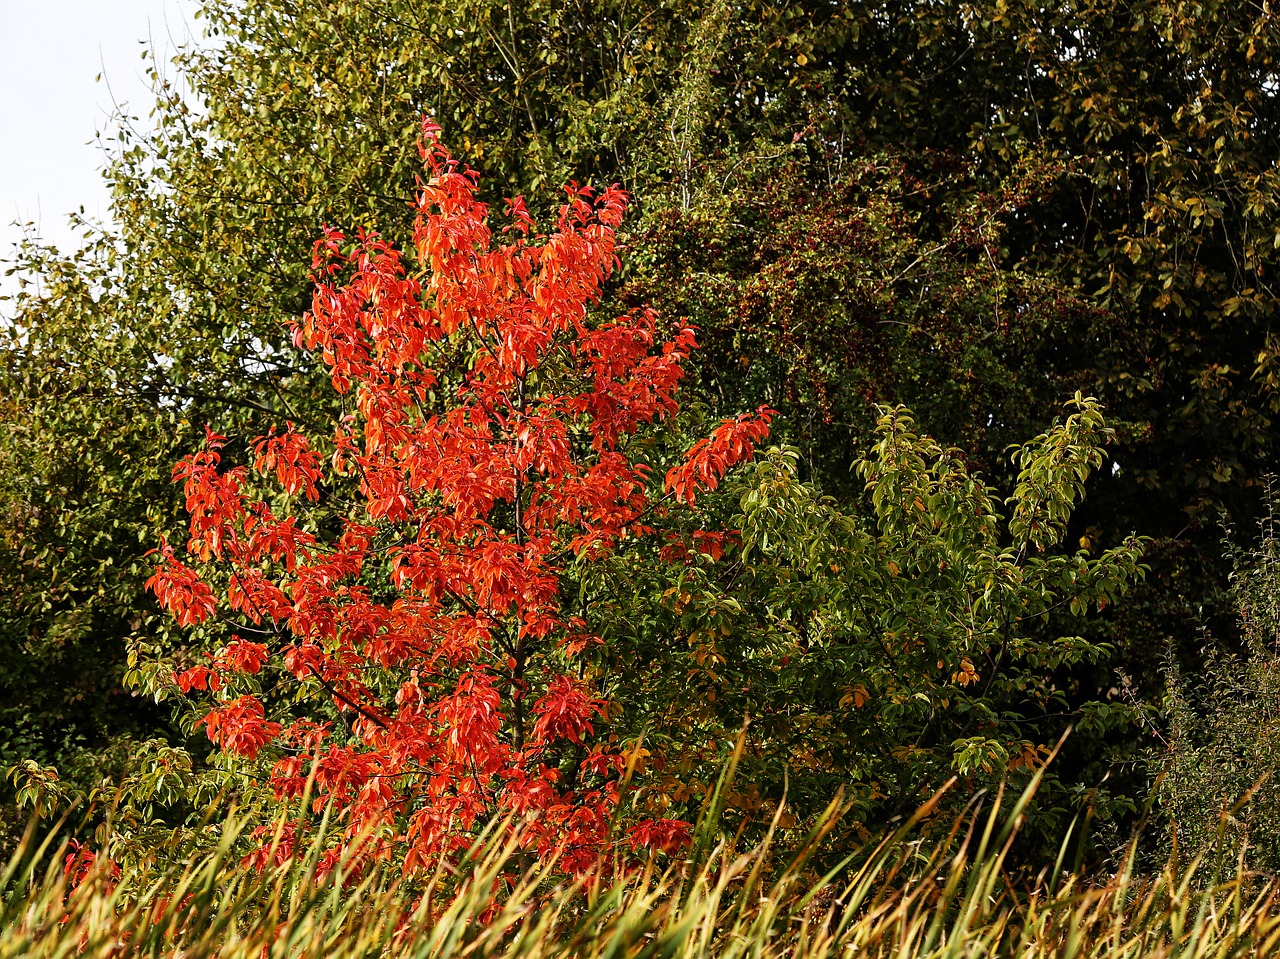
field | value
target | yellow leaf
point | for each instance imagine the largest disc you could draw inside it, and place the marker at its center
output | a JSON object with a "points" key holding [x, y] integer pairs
{"points": [[966, 674], [636, 759]]}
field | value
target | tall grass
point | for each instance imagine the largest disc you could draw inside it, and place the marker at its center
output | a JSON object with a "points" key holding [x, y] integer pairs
{"points": [[949, 896]]}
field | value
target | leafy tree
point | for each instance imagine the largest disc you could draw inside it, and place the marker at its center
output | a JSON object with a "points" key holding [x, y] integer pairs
{"points": [[429, 631], [1100, 178], [81, 496], [493, 451]]}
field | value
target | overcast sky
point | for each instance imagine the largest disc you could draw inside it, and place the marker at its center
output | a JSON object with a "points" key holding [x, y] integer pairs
{"points": [[51, 108]]}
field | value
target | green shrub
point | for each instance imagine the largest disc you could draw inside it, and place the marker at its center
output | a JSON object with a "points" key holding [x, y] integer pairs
{"points": [[1220, 766]]}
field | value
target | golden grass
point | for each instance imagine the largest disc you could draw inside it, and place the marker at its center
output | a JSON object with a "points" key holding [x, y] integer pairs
{"points": [[905, 897]]}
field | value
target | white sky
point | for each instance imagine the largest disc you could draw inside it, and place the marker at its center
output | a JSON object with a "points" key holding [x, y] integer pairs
{"points": [[51, 108]]}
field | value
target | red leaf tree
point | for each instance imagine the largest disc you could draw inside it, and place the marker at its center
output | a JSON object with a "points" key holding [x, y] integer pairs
{"points": [[486, 446]]}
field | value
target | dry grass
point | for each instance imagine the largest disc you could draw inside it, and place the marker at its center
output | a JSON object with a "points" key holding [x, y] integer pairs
{"points": [[948, 897]]}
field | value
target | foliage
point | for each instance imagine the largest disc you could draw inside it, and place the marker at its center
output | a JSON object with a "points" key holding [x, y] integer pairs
{"points": [[441, 619], [976, 208], [81, 495], [1218, 765], [881, 282], [289, 117], [882, 656]]}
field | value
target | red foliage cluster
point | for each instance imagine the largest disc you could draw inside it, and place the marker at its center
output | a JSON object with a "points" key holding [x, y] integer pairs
{"points": [[733, 441], [80, 862], [434, 621]]}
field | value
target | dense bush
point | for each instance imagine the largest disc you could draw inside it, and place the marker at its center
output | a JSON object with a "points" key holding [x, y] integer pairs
{"points": [[1219, 771]]}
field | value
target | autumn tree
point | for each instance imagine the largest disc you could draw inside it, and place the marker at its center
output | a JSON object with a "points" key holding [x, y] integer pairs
{"points": [[487, 454], [179, 314]]}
